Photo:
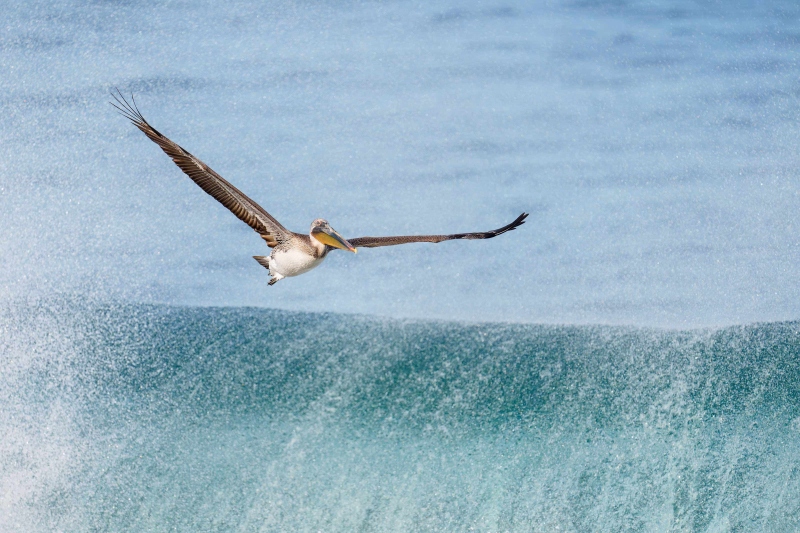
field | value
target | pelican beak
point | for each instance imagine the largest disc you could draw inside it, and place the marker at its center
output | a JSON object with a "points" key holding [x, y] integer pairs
{"points": [[332, 238]]}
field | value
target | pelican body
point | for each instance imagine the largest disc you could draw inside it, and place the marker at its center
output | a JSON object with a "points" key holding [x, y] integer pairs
{"points": [[302, 252], [292, 253]]}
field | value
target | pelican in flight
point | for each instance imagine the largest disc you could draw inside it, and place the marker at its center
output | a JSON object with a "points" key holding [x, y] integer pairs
{"points": [[292, 253]]}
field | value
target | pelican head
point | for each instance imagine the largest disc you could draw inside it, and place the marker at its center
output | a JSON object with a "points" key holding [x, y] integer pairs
{"points": [[324, 233]]}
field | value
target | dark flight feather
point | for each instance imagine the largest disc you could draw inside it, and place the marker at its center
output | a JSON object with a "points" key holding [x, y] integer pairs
{"points": [[224, 192], [374, 242]]}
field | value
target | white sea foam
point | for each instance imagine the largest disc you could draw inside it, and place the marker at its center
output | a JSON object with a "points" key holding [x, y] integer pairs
{"points": [[159, 419]]}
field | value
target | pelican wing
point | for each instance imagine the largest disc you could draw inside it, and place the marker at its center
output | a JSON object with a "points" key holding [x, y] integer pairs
{"points": [[374, 242], [225, 193]]}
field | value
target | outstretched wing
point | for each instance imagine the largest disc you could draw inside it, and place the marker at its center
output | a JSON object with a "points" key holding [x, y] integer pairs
{"points": [[374, 242], [235, 200]]}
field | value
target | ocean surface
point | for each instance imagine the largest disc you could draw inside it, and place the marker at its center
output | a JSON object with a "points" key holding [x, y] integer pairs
{"points": [[625, 361], [653, 143]]}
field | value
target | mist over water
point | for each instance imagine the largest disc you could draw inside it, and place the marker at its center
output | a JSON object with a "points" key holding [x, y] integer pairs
{"points": [[626, 361], [654, 145]]}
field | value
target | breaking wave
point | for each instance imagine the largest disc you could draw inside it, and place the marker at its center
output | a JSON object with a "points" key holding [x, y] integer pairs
{"points": [[153, 418]]}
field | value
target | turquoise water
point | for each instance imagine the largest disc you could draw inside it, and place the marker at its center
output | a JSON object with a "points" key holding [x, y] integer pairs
{"points": [[155, 418]]}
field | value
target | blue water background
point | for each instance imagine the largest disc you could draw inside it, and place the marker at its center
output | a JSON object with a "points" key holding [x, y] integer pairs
{"points": [[526, 383], [653, 143]]}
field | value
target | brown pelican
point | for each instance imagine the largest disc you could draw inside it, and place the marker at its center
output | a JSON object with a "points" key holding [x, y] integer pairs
{"points": [[292, 253]]}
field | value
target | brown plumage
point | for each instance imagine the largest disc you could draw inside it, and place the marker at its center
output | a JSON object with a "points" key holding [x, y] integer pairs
{"points": [[375, 242], [292, 253], [224, 192]]}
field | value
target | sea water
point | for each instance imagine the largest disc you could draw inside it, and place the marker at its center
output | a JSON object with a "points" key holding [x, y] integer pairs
{"points": [[625, 361], [153, 418], [654, 145]]}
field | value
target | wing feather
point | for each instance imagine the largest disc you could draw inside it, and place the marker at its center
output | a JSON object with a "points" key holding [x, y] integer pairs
{"points": [[215, 185], [374, 242]]}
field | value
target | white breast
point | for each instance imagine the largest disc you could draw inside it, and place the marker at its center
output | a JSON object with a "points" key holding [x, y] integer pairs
{"points": [[292, 262]]}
